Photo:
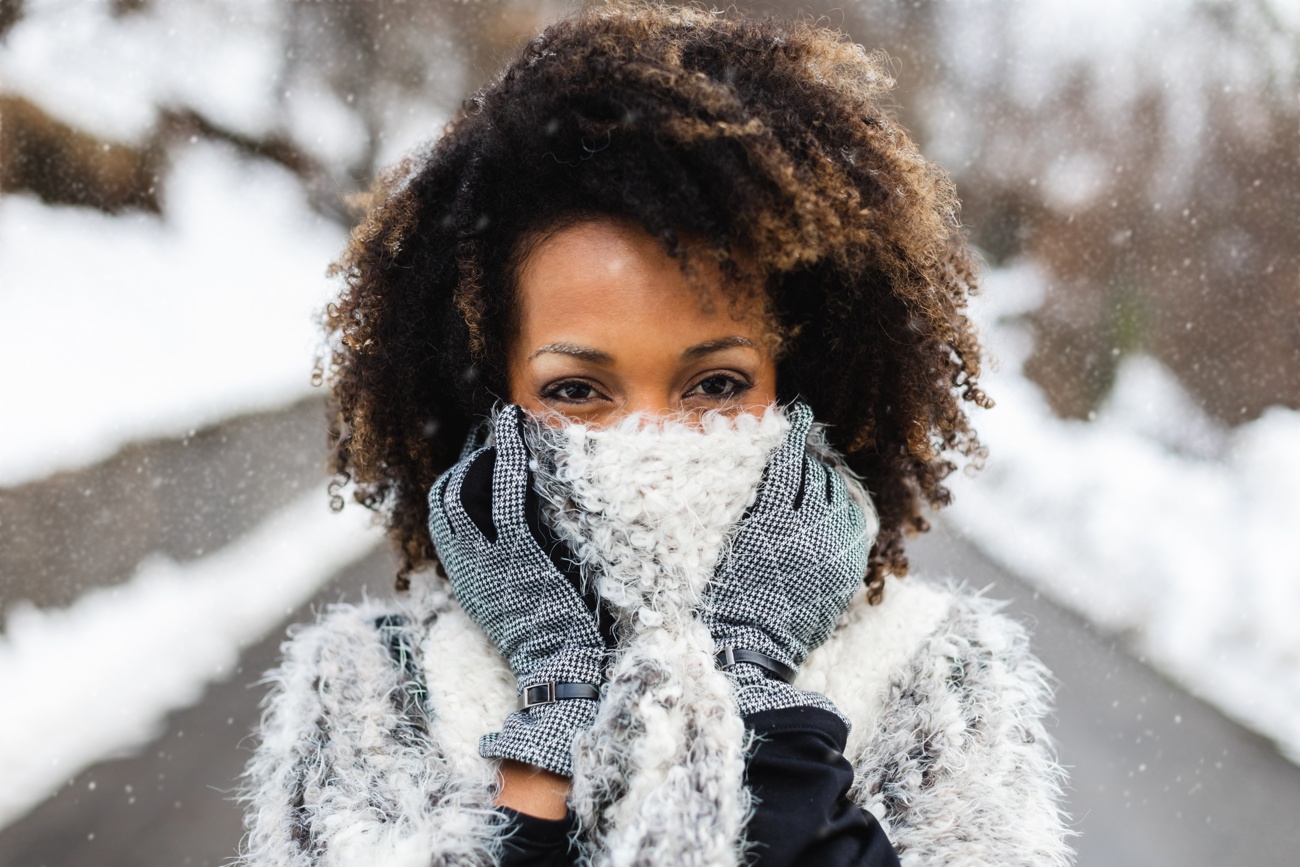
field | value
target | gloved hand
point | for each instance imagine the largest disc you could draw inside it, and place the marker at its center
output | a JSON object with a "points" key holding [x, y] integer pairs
{"points": [[522, 587], [797, 558]]}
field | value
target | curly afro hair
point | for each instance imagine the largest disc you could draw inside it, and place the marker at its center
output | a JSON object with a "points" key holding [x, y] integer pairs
{"points": [[765, 137]]}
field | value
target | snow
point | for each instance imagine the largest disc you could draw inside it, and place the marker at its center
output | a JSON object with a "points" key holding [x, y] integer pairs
{"points": [[96, 679], [323, 125], [222, 58], [1100, 62], [1152, 521], [136, 326], [240, 63]]}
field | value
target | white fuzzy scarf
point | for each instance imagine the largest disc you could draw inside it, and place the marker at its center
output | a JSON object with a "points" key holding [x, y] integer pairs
{"points": [[649, 505], [369, 745]]}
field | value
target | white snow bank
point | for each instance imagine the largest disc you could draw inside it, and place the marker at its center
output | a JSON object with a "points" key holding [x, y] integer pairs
{"points": [[240, 63], [110, 75], [97, 679], [1152, 521], [134, 326]]}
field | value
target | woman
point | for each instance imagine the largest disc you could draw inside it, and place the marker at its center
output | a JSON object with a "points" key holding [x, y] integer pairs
{"points": [[577, 363]]}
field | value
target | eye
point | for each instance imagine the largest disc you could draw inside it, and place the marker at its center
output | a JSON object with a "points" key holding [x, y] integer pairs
{"points": [[720, 386], [571, 391]]}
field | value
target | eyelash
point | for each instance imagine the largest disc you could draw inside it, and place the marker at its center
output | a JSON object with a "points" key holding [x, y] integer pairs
{"points": [[740, 387]]}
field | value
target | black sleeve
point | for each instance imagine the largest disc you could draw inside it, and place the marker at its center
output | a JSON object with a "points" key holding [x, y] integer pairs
{"points": [[800, 778], [537, 842]]}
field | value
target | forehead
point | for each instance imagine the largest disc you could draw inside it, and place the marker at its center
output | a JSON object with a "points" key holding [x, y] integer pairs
{"points": [[613, 276]]}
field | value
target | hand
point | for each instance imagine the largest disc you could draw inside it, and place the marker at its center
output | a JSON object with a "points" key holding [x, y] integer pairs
{"points": [[525, 592], [798, 557]]}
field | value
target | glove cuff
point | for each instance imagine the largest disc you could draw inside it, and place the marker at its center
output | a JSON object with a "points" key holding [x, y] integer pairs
{"points": [[729, 656], [569, 665], [542, 735], [788, 657], [756, 690]]}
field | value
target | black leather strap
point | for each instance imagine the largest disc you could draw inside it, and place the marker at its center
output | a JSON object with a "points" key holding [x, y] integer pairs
{"points": [[729, 656], [545, 693]]}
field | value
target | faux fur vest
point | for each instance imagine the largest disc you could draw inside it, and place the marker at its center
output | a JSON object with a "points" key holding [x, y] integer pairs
{"points": [[368, 750]]}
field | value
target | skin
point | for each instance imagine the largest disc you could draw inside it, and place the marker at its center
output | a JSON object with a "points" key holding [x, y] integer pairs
{"points": [[607, 326]]}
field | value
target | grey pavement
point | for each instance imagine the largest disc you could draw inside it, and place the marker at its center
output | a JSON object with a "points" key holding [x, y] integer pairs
{"points": [[182, 497], [1157, 777], [171, 804]]}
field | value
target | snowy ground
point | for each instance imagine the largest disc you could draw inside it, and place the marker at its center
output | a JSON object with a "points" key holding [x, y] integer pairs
{"points": [[136, 326], [96, 679], [1151, 521], [139, 326]]}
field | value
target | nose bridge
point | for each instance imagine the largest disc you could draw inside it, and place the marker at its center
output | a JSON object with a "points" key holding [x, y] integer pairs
{"points": [[650, 402]]}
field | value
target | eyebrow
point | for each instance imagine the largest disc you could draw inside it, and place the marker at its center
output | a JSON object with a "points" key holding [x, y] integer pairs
{"points": [[586, 353], [709, 346]]}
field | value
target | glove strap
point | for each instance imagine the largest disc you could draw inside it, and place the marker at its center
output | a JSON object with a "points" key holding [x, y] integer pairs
{"points": [[552, 691], [730, 656]]}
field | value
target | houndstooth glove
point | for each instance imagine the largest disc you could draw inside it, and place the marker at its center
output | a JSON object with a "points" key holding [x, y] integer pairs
{"points": [[798, 557], [507, 575]]}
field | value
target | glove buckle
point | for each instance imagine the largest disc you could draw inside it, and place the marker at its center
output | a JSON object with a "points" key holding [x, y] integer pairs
{"points": [[542, 693], [553, 691], [728, 657]]}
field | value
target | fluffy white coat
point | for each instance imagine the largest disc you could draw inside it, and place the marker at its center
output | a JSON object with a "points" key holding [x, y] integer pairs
{"points": [[369, 746]]}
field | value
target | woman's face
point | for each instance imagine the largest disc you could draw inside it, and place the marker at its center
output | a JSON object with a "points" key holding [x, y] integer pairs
{"points": [[608, 325]]}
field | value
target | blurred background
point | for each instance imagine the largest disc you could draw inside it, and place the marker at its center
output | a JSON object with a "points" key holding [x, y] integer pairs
{"points": [[175, 178]]}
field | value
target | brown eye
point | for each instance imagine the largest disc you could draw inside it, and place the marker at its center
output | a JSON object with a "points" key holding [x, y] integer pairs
{"points": [[574, 391], [720, 385]]}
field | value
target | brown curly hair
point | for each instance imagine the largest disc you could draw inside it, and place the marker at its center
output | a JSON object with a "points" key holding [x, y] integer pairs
{"points": [[761, 136]]}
